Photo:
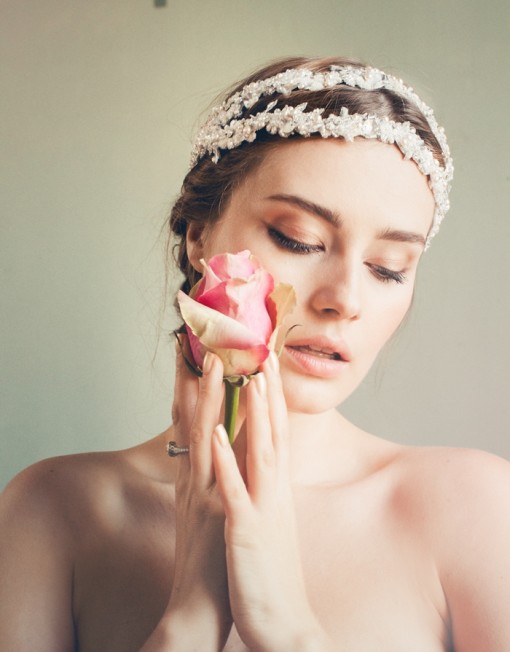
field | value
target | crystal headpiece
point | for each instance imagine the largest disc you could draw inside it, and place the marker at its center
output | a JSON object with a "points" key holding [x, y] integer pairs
{"points": [[225, 128]]}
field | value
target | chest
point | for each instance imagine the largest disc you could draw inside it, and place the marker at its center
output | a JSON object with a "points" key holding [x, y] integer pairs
{"points": [[122, 578], [370, 580]]}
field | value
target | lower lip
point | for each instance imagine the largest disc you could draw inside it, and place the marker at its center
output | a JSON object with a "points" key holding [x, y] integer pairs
{"points": [[315, 365]]}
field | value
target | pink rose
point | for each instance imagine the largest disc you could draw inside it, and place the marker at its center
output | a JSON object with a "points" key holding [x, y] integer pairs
{"points": [[235, 311]]}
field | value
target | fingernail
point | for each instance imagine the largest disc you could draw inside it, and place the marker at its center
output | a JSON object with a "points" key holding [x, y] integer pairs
{"points": [[260, 383], [274, 363], [207, 364], [221, 435]]}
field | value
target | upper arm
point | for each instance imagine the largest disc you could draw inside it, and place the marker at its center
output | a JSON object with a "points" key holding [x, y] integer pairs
{"points": [[35, 566], [476, 567]]}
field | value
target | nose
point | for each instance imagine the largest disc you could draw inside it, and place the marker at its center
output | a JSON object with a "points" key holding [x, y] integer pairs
{"points": [[337, 291]]}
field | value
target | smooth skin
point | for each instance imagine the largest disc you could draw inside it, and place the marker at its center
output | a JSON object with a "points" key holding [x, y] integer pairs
{"points": [[310, 534]]}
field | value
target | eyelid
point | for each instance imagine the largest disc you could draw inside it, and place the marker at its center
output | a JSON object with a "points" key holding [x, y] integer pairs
{"points": [[298, 227], [387, 274], [292, 243]]}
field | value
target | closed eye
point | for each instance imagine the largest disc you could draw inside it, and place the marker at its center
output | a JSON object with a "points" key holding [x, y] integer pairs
{"points": [[296, 246], [387, 275]]}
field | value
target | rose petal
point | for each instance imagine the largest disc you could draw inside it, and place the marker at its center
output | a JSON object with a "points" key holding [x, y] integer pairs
{"points": [[240, 265], [244, 301], [280, 303], [224, 267], [219, 333], [242, 363], [236, 362], [235, 311], [208, 281], [213, 327]]}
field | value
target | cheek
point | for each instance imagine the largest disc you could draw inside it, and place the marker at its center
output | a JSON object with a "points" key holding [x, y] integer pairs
{"points": [[390, 318], [222, 240]]}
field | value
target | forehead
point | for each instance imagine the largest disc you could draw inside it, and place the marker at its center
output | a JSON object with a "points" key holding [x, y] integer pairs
{"points": [[363, 177]]}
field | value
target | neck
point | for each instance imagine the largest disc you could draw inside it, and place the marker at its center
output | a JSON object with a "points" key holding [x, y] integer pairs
{"points": [[325, 448]]}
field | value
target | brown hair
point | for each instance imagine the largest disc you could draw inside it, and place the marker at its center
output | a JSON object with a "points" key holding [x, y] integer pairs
{"points": [[208, 186]]}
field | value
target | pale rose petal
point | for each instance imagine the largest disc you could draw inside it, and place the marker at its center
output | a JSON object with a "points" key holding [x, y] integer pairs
{"points": [[213, 328], [236, 362], [280, 303], [242, 363]]}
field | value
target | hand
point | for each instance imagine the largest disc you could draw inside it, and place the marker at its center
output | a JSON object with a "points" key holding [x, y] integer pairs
{"points": [[198, 614], [266, 586]]}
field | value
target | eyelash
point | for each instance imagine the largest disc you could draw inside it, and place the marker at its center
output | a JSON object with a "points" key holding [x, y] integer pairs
{"points": [[382, 273], [387, 275], [290, 244]]}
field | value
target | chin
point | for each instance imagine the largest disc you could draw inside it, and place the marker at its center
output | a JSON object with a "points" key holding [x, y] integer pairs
{"points": [[311, 395]]}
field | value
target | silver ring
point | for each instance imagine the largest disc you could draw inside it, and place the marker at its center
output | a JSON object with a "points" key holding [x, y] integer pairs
{"points": [[173, 450]]}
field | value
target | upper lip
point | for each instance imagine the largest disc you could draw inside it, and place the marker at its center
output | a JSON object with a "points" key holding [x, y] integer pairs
{"points": [[324, 344]]}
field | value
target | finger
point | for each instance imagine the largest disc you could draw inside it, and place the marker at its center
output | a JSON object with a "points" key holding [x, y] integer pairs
{"points": [[185, 399], [260, 455], [278, 415], [207, 416], [230, 484]]}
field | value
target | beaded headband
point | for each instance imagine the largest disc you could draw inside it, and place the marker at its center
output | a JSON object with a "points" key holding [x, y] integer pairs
{"points": [[225, 128]]}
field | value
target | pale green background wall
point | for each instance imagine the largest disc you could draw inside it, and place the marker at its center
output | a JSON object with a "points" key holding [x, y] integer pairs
{"points": [[98, 99]]}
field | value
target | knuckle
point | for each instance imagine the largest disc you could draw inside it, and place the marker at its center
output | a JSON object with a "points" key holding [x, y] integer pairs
{"points": [[205, 388], [236, 496], [263, 459], [267, 458], [195, 435]]}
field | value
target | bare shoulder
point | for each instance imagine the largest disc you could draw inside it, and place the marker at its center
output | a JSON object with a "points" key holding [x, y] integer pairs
{"points": [[449, 479], [74, 491], [60, 485], [446, 488], [458, 502], [42, 514], [53, 516]]}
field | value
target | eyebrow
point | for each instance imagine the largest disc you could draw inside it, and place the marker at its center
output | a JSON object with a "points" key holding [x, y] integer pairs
{"points": [[399, 235], [309, 207]]}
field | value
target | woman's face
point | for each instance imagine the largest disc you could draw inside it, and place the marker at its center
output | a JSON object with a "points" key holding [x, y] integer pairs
{"points": [[345, 224]]}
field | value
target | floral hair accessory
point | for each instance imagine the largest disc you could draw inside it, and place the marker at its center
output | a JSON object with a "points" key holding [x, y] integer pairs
{"points": [[235, 311], [226, 128]]}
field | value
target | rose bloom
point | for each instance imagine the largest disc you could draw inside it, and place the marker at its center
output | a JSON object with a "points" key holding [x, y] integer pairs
{"points": [[235, 311]]}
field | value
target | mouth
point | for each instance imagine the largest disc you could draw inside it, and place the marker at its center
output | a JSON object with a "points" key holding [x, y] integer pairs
{"points": [[319, 356], [328, 354]]}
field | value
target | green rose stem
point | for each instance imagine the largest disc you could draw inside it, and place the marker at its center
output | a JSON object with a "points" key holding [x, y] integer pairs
{"points": [[231, 407]]}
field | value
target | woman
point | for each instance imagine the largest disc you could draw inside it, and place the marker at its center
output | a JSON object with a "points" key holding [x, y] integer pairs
{"points": [[309, 534]]}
